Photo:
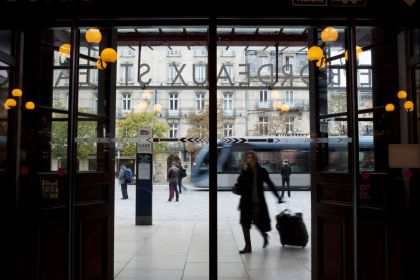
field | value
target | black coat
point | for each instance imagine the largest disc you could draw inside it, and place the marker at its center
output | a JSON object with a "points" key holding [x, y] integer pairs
{"points": [[285, 171], [244, 187]]}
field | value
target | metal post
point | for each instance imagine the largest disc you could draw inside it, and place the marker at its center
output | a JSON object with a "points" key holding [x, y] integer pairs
{"points": [[354, 131], [71, 149], [212, 76]]}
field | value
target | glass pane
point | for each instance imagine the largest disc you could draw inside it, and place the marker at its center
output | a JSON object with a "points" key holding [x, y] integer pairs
{"points": [[44, 146], [61, 69], [4, 92], [267, 109], [373, 80], [87, 151], [91, 103], [332, 78], [6, 41], [332, 151], [88, 77], [417, 93], [168, 94], [59, 132]]}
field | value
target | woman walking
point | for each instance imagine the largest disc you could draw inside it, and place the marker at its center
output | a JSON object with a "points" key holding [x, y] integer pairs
{"points": [[252, 204]]}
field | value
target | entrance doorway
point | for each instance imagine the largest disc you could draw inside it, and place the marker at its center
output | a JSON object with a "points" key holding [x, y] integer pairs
{"points": [[64, 186], [262, 96]]}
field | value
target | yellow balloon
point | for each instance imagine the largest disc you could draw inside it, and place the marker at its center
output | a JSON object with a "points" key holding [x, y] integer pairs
{"points": [[11, 102], [315, 53], [17, 92], [329, 34], [93, 35], [65, 49], [109, 55], [389, 107], [409, 106], [30, 105], [402, 94]]}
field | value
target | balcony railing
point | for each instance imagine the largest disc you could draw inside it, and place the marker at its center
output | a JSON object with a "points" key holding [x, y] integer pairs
{"points": [[230, 113], [298, 104], [120, 113], [264, 105], [173, 113]]}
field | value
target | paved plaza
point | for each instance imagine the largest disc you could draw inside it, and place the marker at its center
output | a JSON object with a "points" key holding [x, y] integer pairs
{"points": [[176, 246]]}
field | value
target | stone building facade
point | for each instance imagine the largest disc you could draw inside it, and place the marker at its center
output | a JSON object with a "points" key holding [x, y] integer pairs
{"points": [[249, 97]]}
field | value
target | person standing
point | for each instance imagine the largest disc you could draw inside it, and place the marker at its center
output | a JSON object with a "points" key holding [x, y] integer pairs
{"points": [[123, 182], [252, 204], [173, 173], [285, 172], [181, 175]]}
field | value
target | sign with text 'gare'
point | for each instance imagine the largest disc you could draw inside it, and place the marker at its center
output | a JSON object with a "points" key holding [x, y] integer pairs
{"points": [[145, 141]]}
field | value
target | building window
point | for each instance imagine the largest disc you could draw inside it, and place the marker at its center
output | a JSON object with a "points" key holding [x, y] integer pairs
{"points": [[173, 101], [290, 98], [263, 96], [173, 130], [228, 101], [126, 52], [263, 124], [171, 73], [174, 52], [288, 61], [200, 101], [290, 125], [200, 52], [127, 73], [364, 77], [126, 102], [227, 129], [200, 73], [263, 60]]}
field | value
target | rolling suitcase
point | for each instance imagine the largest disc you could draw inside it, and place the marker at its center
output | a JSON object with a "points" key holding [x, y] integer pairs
{"points": [[292, 229]]}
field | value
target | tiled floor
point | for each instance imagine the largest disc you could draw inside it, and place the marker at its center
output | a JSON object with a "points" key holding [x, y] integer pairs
{"points": [[176, 246]]}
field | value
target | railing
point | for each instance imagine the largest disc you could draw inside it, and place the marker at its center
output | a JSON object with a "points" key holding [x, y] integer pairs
{"points": [[264, 105], [229, 113], [173, 113], [121, 113], [298, 104]]}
